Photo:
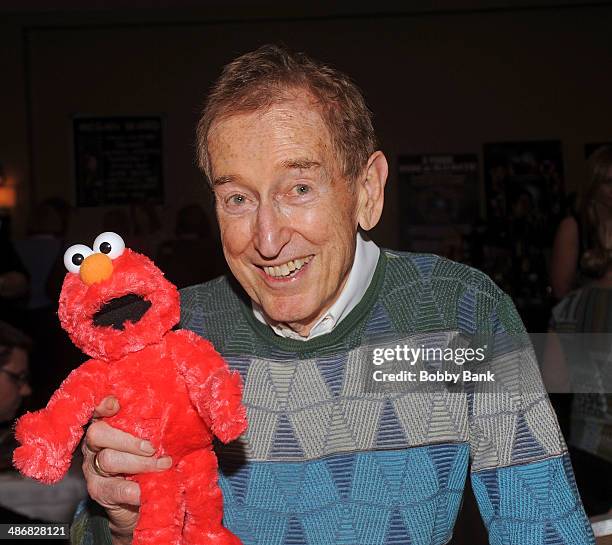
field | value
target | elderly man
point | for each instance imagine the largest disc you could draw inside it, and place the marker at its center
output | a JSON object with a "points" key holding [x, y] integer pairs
{"points": [[288, 147]]}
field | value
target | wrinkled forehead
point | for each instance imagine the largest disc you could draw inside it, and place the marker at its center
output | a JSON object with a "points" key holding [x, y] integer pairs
{"points": [[285, 130]]}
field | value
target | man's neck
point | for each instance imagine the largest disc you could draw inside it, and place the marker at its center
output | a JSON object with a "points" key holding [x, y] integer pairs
{"points": [[303, 328]]}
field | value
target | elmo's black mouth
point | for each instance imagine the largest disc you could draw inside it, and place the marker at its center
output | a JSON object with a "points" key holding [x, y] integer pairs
{"points": [[129, 308]]}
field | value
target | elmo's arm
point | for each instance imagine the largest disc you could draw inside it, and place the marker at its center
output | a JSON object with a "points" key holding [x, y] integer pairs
{"points": [[215, 391], [49, 437]]}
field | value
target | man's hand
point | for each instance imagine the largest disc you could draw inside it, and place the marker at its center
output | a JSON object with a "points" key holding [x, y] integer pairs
{"points": [[109, 452]]}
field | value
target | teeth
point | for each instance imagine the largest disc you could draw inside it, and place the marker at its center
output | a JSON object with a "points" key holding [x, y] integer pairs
{"points": [[286, 268]]}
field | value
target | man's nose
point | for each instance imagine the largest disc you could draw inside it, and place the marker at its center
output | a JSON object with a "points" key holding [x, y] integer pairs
{"points": [[25, 390], [272, 230]]}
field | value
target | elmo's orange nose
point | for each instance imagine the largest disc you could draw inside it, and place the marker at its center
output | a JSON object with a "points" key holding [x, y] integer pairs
{"points": [[96, 268]]}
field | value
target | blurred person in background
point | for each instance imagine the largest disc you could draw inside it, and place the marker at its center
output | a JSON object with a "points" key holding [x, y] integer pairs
{"points": [[578, 360], [139, 226], [147, 228], [194, 255], [578, 233], [14, 281], [42, 254], [41, 249], [118, 221], [14, 386], [22, 500], [14, 372]]}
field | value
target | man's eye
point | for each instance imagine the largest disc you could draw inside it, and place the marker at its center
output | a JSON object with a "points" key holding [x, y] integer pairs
{"points": [[236, 200], [302, 189]]}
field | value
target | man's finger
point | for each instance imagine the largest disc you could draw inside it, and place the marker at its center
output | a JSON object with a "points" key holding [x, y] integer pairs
{"points": [[113, 462], [100, 436], [113, 491], [107, 407]]}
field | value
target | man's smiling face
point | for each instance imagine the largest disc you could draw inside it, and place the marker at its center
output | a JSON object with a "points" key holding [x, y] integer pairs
{"points": [[288, 218]]}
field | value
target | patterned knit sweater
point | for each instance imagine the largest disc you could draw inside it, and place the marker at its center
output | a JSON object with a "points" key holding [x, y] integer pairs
{"points": [[330, 458]]}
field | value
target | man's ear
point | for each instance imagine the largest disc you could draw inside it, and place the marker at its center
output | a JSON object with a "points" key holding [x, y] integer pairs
{"points": [[371, 188]]}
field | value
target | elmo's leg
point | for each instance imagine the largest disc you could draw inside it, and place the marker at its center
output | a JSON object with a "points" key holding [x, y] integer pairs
{"points": [[203, 501], [161, 509]]}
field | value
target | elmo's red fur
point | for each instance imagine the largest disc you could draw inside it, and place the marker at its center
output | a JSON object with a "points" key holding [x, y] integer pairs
{"points": [[173, 388]]}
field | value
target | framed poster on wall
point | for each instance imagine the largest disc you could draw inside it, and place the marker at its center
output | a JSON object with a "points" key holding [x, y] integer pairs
{"points": [[524, 186], [438, 202], [118, 160], [524, 180]]}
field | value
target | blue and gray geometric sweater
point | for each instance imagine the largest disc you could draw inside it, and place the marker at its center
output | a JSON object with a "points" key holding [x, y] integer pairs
{"points": [[332, 457]]}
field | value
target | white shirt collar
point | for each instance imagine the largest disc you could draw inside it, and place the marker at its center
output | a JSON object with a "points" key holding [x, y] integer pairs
{"points": [[360, 276]]}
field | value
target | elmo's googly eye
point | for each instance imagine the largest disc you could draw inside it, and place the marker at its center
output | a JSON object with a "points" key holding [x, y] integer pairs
{"points": [[109, 243], [74, 256]]}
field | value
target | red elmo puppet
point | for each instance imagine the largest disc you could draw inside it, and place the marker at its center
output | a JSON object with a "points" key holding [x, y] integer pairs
{"points": [[173, 388]]}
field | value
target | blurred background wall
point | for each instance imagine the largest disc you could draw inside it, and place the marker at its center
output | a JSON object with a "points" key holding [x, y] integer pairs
{"points": [[438, 79]]}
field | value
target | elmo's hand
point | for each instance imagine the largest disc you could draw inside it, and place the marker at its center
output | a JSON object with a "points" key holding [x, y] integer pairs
{"points": [[40, 457], [215, 390], [227, 412], [49, 437]]}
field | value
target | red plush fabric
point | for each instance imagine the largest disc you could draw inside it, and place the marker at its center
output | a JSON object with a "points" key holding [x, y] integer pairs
{"points": [[173, 388]]}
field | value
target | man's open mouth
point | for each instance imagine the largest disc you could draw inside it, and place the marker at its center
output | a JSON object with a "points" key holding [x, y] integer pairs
{"points": [[117, 311], [286, 270]]}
